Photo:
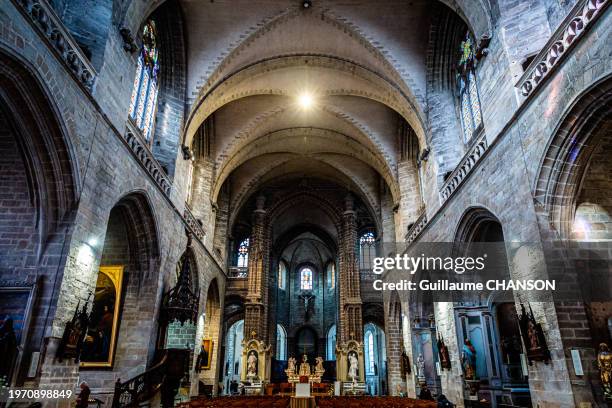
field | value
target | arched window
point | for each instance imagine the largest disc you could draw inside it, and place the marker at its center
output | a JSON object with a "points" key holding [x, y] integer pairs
{"points": [[367, 251], [233, 360], [144, 94], [369, 346], [306, 279], [282, 275], [331, 343], [331, 275], [243, 254], [469, 101], [281, 343]]}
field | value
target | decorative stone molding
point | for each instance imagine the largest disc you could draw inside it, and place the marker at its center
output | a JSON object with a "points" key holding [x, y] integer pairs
{"points": [[416, 228], [141, 151], [193, 223], [464, 168], [42, 16], [582, 16]]}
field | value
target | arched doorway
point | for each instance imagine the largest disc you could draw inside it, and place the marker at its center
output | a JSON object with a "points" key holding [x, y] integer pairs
{"points": [[39, 179], [491, 327], [209, 343], [123, 293]]}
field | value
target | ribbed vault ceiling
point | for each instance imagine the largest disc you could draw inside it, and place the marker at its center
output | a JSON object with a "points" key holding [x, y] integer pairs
{"points": [[363, 63]]}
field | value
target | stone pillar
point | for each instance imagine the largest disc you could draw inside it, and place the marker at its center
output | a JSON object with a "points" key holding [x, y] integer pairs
{"points": [[200, 203], [351, 325], [393, 326], [350, 333], [451, 380], [256, 306]]}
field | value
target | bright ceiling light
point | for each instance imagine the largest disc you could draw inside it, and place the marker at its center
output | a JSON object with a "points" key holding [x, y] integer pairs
{"points": [[305, 100]]}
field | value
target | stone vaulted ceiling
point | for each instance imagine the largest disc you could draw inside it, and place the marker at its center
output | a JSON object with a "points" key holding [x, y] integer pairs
{"points": [[250, 62]]}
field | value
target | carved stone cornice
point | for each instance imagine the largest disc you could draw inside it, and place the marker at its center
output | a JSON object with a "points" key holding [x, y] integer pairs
{"points": [[144, 156], [569, 32], [416, 228], [464, 168], [193, 224], [44, 20]]}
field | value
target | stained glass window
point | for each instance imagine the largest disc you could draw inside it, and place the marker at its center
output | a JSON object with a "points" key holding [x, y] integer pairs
{"points": [[471, 116], [367, 251], [146, 83], [306, 279], [243, 254]]}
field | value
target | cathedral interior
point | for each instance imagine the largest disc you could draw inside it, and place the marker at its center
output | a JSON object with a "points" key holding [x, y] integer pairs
{"points": [[193, 194]]}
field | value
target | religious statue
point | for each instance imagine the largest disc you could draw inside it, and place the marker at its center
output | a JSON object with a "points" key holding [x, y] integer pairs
{"points": [[307, 298], [468, 360], [445, 362], [8, 348], [604, 362], [353, 362], [420, 366], [405, 368], [304, 366], [533, 337], [252, 365], [319, 365], [291, 365]]}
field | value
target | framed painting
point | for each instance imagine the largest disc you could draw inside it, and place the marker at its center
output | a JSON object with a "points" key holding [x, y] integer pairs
{"points": [[205, 356], [101, 338], [16, 302]]}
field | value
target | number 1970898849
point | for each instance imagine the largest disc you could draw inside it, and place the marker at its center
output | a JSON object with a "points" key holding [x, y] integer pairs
{"points": [[36, 394]]}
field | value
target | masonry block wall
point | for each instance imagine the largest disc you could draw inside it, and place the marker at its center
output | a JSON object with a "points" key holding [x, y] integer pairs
{"points": [[106, 171], [19, 239]]}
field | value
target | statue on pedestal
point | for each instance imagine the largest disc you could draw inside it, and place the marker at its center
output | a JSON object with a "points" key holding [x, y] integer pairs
{"points": [[353, 363], [291, 365], [304, 366], [604, 362], [468, 360], [252, 365], [421, 369], [319, 370]]}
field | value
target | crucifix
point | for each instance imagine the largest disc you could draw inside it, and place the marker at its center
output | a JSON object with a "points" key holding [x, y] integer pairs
{"points": [[307, 297]]}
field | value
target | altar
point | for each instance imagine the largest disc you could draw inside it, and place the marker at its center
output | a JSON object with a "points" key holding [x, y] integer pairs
{"points": [[305, 373]]}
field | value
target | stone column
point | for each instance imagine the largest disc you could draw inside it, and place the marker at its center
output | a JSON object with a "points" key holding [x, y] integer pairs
{"points": [[200, 203], [393, 326], [256, 319], [351, 325]]}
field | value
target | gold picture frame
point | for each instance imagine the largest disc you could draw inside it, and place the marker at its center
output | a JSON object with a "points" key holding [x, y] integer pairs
{"points": [[205, 356], [101, 339]]}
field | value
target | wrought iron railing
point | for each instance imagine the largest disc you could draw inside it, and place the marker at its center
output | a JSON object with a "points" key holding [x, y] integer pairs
{"points": [[238, 272], [142, 387]]}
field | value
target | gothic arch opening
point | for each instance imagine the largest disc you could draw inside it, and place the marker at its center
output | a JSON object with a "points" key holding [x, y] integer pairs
{"points": [[39, 180], [488, 332], [212, 332], [124, 289]]}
